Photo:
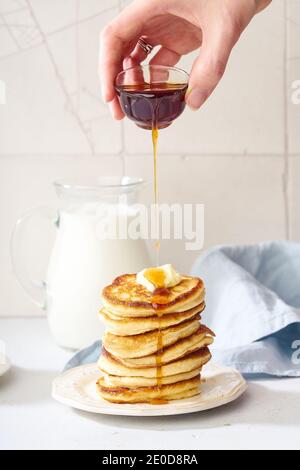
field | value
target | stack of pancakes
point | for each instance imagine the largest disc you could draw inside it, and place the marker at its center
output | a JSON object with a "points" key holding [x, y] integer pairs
{"points": [[154, 346]]}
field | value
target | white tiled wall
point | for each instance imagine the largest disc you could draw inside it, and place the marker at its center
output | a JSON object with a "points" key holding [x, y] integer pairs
{"points": [[239, 155]]}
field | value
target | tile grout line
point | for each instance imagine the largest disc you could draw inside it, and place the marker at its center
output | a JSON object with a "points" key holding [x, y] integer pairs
{"points": [[51, 33], [79, 22], [60, 80], [147, 154], [13, 11], [38, 316], [286, 170], [12, 36]]}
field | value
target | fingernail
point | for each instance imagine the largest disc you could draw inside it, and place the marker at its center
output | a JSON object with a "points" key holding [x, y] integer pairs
{"points": [[196, 98]]}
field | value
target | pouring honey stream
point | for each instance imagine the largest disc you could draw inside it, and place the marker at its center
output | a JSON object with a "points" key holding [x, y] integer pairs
{"points": [[153, 97]]}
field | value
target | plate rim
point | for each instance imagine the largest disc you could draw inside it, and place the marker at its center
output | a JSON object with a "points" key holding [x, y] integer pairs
{"points": [[178, 407]]}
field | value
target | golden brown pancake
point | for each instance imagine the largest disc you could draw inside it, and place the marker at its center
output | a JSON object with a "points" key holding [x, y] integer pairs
{"points": [[175, 391], [154, 347], [136, 325], [202, 337], [125, 298], [146, 344], [134, 382], [196, 360]]}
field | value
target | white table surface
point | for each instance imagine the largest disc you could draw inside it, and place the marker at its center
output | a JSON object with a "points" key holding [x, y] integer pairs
{"points": [[267, 416]]}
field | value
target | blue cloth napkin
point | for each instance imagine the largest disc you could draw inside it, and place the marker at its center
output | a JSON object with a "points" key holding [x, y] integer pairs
{"points": [[253, 305], [87, 355]]}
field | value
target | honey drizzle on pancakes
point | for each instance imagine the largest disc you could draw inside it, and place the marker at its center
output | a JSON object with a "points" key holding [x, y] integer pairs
{"points": [[159, 297], [156, 275], [154, 143]]}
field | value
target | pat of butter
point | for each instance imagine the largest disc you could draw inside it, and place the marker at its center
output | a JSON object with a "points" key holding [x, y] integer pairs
{"points": [[162, 276]]}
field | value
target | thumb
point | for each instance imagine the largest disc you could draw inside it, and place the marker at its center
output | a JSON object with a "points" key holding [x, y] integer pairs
{"points": [[209, 68]]}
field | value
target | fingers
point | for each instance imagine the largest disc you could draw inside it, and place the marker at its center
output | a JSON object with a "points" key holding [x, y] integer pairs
{"points": [[136, 75], [110, 63], [209, 67], [118, 39], [165, 57], [115, 109], [138, 55]]}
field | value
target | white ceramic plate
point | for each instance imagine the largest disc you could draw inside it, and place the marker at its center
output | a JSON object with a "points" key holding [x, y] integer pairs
{"points": [[4, 365], [76, 388]]}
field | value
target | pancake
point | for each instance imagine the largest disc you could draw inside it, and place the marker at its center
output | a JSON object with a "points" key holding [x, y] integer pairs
{"points": [[134, 326], [125, 298], [134, 382], [110, 365], [175, 391], [146, 344], [154, 347], [202, 337]]}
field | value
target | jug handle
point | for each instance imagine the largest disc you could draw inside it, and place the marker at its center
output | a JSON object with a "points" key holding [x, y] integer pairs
{"points": [[34, 288]]}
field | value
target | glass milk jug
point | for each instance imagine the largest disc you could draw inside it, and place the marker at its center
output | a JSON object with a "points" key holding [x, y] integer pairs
{"points": [[88, 253]]}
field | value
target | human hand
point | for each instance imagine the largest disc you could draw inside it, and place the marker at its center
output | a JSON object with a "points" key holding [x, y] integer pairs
{"points": [[178, 27]]}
